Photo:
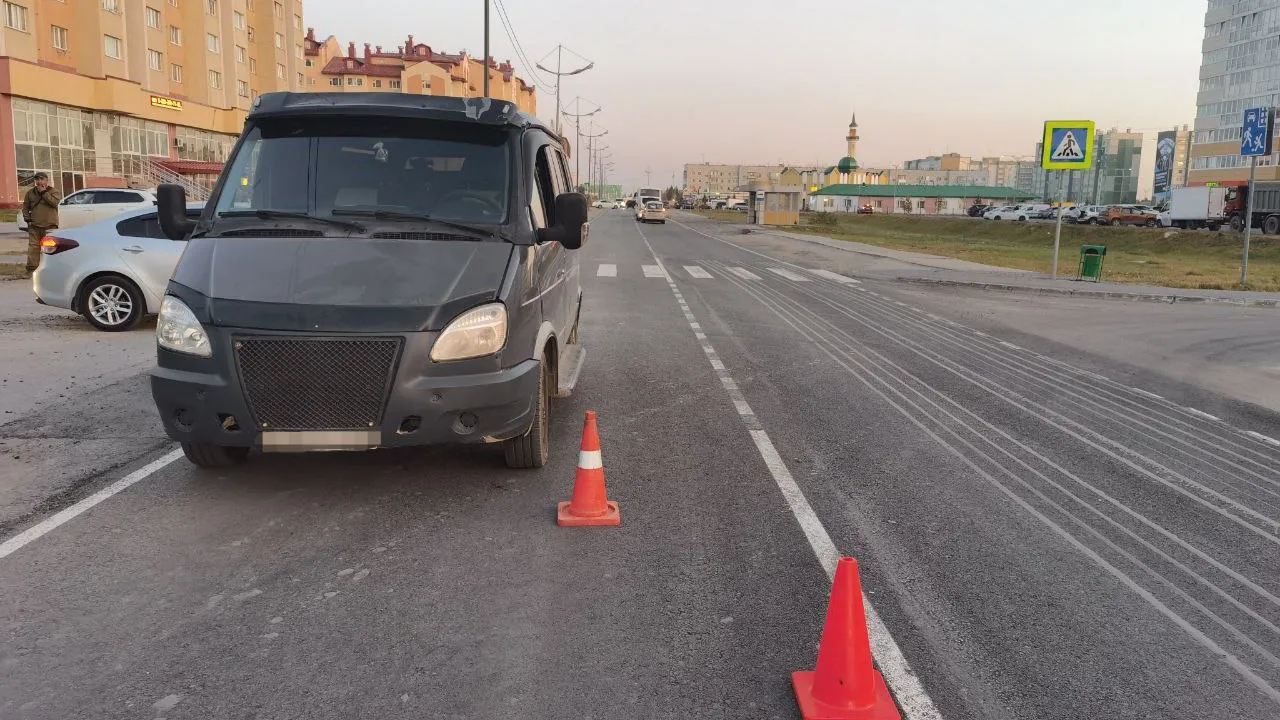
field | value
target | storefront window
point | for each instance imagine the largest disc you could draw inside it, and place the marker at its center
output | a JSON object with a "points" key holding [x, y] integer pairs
{"points": [[203, 146], [53, 139]]}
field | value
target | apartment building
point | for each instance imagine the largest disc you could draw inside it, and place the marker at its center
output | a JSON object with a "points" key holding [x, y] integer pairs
{"points": [[132, 92], [1240, 68], [413, 67], [719, 179]]}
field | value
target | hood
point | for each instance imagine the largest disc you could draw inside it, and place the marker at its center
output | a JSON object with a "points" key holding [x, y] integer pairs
{"points": [[341, 284]]}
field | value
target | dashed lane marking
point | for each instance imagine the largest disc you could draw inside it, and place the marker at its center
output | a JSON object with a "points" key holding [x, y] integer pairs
{"points": [[836, 276], [653, 271], [607, 270], [744, 273], [793, 277], [696, 271]]}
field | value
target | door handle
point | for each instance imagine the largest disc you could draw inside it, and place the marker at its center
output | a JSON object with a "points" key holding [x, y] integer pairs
{"points": [[133, 249]]}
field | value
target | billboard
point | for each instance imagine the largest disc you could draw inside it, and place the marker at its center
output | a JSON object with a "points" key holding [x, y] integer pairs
{"points": [[1166, 150]]}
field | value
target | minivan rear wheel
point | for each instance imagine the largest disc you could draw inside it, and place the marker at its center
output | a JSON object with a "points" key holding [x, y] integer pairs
{"points": [[532, 449], [208, 455]]}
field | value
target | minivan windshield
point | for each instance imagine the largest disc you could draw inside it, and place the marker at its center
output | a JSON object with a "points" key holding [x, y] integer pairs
{"points": [[322, 167]]}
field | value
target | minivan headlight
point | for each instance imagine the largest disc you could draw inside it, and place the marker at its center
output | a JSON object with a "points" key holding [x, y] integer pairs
{"points": [[476, 332], [177, 329]]}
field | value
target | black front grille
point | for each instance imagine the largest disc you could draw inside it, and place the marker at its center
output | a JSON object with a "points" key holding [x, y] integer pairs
{"points": [[272, 232], [315, 383], [416, 235]]}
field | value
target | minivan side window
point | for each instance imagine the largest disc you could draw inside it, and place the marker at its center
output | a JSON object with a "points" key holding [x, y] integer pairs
{"points": [[546, 177]]}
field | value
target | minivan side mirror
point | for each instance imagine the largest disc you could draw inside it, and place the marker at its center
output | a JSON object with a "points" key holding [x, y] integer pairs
{"points": [[171, 203], [571, 227]]}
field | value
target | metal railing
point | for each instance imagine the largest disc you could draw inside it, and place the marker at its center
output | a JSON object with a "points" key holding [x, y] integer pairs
{"points": [[144, 171]]}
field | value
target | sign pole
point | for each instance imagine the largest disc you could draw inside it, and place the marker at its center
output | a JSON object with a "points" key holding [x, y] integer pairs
{"points": [[1248, 221], [1057, 231]]}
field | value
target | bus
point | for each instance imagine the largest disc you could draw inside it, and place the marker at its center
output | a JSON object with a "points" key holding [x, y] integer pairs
{"points": [[644, 195]]}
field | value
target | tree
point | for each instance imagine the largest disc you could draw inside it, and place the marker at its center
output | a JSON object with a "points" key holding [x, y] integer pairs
{"points": [[671, 194]]}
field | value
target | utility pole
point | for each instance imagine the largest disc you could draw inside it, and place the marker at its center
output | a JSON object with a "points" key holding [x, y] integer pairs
{"points": [[648, 177], [486, 48], [591, 145], [577, 126], [559, 72]]}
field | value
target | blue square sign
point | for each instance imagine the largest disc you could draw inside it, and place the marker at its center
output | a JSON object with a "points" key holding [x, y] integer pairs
{"points": [[1255, 134]]}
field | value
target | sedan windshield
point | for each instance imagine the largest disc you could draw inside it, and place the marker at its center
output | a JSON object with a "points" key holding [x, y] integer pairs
{"points": [[405, 169]]}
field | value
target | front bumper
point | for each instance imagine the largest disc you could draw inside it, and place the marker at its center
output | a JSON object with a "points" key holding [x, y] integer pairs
{"points": [[422, 406]]}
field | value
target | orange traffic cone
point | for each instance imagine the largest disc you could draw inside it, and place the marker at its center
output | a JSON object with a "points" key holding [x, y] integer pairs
{"points": [[844, 686], [589, 506]]}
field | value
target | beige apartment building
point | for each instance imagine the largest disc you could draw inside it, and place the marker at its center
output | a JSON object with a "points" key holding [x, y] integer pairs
{"points": [[413, 67], [720, 179], [135, 92]]}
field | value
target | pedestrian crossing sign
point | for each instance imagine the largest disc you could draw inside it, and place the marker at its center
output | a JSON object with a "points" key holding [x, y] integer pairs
{"points": [[1068, 145]]}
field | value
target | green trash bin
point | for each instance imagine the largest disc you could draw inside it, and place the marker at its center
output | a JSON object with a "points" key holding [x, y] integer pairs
{"points": [[1091, 262]]}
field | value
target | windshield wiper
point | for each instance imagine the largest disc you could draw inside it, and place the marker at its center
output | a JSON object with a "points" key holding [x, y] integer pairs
{"points": [[400, 215], [291, 215]]}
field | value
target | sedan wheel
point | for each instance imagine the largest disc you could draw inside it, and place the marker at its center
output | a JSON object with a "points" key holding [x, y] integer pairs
{"points": [[112, 303]]}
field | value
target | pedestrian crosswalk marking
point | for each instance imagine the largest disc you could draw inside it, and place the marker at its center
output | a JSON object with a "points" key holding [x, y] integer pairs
{"points": [[697, 272], [607, 270], [789, 275], [835, 276], [653, 271], [744, 273]]}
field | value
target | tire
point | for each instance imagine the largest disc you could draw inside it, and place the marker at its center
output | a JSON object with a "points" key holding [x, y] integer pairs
{"points": [[1113, 223], [1152, 223], [1237, 223], [207, 455], [104, 298], [1215, 228], [532, 449]]}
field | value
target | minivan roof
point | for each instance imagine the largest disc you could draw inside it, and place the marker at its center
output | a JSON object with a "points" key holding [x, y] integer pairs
{"points": [[488, 111]]}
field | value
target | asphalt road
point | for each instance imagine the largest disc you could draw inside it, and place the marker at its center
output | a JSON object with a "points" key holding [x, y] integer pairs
{"points": [[1046, 531]]}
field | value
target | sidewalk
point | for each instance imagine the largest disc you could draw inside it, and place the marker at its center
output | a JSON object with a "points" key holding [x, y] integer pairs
{"points": [[937, 270]]}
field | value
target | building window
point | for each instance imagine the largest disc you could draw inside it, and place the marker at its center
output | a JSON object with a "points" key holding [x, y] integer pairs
{"points": [[59, 37], [336, 82], [237, 20], [175, 73], [215, 79], [395, 84], [111, 5], [279, 71], [300, 81], [155, 60], [242, 88], [309, 63], [175, 35], [253, 66], [279, 41], [377, 83], [211, 6], [355, 81], [242, 55], [279, 11], [297, 22], [153, 17], [297, 51], [174, 3], [15, 16], [211, 42], [250, 31], [111, 46]]}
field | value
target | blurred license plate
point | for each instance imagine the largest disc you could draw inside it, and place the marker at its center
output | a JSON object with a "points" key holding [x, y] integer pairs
{"points": [[313, 440]]}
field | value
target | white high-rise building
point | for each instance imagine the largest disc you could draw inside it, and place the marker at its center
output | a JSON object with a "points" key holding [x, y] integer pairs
{"points": [[1240, 69]]}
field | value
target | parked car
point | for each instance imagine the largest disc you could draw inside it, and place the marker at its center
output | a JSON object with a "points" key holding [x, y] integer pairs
{"points": [[1046, 214], [866, 209], [113, 272], [599, 204], [620, 204], [654, 212], [1011, 212], [93, 204], [979, 209], [1128, 215], [1084, 214], [330, 304]]}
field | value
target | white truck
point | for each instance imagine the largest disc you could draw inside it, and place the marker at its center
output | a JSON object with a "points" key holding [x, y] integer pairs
{"points": [[1197, 207]]}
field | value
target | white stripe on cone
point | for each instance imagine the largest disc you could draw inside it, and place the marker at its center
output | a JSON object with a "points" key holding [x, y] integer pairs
{"points": [[590, 460]]}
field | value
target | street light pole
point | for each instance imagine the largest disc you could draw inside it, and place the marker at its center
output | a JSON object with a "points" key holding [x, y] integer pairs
{"points": [[559, 73], [486, 48], [577, 126]]}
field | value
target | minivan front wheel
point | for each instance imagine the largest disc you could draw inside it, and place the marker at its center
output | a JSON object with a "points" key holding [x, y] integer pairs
{"points": [[532, 449], [208, 455]]}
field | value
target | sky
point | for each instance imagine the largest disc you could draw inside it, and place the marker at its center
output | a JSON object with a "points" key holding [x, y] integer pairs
{"points": [[763, 81]]}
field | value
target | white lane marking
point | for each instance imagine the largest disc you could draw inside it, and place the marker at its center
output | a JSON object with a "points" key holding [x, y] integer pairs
{"points": [[743, 407], [607, 270], [697, 272], [793, 277], [653, 271], [1149, 394], [1203, 414], [1264, 438], [590, 460], [1009, 345], [744, 273], [700, 336], [907, 689], [1093, 375], [836, 276], [44, 527], [979, 333], [696, 326]]}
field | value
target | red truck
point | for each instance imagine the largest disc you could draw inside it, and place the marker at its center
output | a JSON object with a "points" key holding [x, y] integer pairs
{"points": [[1266, 205]]}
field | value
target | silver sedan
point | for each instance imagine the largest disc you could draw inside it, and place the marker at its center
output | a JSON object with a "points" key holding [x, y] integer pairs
{"points": [[113, 272]]}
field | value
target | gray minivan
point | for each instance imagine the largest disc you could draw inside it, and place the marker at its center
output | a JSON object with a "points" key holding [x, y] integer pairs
{"points": [[374, 270]]}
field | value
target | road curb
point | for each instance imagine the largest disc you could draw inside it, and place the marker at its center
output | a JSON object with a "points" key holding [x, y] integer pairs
{"points": [[1098, 294]]}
